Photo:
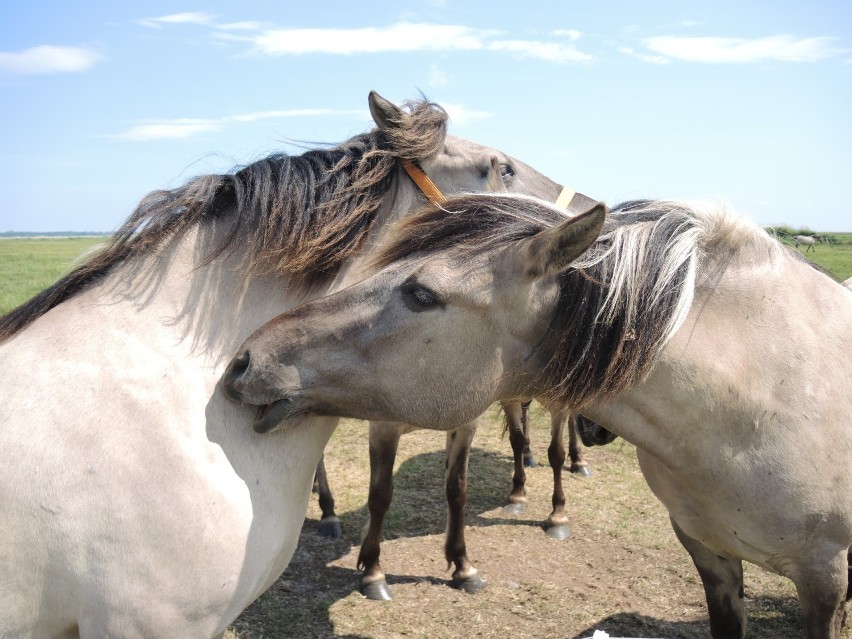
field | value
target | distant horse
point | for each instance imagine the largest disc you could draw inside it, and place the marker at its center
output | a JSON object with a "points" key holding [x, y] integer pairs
{"points": [[691, 333], [134, 499], [808, 241]]}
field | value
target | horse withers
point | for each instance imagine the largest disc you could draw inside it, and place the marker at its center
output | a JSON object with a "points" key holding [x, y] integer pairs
{"points": [[689, 332], [135, 499]]}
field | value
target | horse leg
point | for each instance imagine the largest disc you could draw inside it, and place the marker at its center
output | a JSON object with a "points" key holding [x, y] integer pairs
{"points": [[822, 586], [529, 460], [465, 576], [517, 437], [384, 441], [575, 451], [722, 579], [556, 525], [329, 524]]}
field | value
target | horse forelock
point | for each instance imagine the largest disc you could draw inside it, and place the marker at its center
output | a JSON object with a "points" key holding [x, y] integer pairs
{"points": [[299, 216]]}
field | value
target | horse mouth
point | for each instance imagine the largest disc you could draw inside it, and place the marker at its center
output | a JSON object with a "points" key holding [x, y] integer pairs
{"points": [[269, 416]]}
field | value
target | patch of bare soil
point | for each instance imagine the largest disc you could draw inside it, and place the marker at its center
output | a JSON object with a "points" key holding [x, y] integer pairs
{"points": [[621, 571]]}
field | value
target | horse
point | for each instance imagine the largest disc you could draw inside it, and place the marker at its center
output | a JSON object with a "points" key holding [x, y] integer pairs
{"points": [[135, 500], [684, 329], [384, 441], [808, 241]]}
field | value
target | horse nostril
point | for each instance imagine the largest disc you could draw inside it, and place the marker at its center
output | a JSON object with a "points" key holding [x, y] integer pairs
{"points": [[231, 380]]}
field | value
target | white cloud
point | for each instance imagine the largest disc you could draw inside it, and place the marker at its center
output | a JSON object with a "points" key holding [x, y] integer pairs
{"points": [[550, 51], [644, 57], [179, 128], [245, 25], [169, 129], [47, 59], [571, 34], [403, 36], [188, 17], [783, 48]]}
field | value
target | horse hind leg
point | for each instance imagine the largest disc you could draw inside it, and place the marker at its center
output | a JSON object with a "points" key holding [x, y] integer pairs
{"points": [[384, 442], [465, 577], [519, 440], [722, 579], [579, 466], [330, 523]]}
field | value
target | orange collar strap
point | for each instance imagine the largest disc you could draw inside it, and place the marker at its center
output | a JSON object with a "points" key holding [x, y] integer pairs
{"points": [[427, 186]]}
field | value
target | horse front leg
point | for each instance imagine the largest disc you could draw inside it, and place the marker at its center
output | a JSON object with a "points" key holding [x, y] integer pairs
{"points": [[465, 576], [556, 525], [384, 442], [822, 581], [329, 524], [722, 579], [519, 441]]}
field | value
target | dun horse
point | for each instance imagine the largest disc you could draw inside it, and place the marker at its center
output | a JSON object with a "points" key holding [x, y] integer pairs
{"points": [[690, 333], [134, 498], [384, 441]]}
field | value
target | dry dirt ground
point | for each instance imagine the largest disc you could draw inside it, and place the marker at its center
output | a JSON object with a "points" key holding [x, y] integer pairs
{"points": [[621, 571]]}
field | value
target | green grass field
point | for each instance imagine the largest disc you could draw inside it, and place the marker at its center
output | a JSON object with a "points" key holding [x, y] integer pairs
{"points": [[28, 265]]}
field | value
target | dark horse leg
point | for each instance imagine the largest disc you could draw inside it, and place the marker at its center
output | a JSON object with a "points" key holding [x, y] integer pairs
{"points": [[515, 423], [556, 525], [722, 579], [465, 576], [575, 450], [329, 524], [384, 441]]}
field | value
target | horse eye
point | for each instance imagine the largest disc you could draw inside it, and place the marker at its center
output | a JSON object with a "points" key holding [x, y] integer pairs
{"points": [[506, 171], [418, 298]]}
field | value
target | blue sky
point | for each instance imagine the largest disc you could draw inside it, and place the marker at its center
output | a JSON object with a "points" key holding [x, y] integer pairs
{"points": [[744, 102]]}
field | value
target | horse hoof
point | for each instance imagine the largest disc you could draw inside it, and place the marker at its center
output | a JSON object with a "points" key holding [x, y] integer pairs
{"points": [[560, 532], [517, 508], [529, 461], [330, 528], [471, 585], [377, 591], [581, 471]]}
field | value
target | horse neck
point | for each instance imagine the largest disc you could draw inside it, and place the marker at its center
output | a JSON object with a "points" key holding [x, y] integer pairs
{"points": [[205, 309], [744, 353], [401, 201]]}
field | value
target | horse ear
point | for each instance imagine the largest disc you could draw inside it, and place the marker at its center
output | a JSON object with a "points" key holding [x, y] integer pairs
{"points": [[553, 250], [385, 113]]}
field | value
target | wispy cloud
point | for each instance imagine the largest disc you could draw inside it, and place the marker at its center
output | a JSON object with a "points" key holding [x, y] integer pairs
{"points": [[188, 17], [47, 59], [644, 57], [461, 115], [179, 128], [549, 51], [782, 48], [402, 37], [571, 34]]}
